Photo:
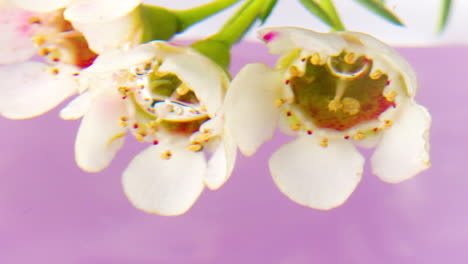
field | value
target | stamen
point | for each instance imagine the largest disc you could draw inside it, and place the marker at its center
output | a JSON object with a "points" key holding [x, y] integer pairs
{"points": [[391, 96], [324, 143], [182, 89], [376, 74], [53, 71], [350, 58], [34, 20], [359, 136], [315, 59], [166, 155], [388, 123], [351, 106], [280, 102], [195, 147], [295, 127], [294, 71], [39, 40]]}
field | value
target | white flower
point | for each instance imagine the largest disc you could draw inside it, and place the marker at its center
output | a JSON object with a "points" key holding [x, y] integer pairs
{"points": [[334, 91], [168, 96], [30, 88], [107, 23]]}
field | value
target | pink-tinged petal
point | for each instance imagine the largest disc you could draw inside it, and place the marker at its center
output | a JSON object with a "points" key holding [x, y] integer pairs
{"points": [[316, 176], [282, 40], [221, 163], [77, 108], [108, 30], [387, 58], [32, 88], [165, 186], [250, 111], [40, 6], [100, 135], [208, 82], [15, 37], [404, 149]]}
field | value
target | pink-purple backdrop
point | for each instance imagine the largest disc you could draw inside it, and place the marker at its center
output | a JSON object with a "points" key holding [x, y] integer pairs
{"points": [[53, 213]]}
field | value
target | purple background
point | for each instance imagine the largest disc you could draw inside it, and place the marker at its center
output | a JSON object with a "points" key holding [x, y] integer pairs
{"points": [[51, 212]]}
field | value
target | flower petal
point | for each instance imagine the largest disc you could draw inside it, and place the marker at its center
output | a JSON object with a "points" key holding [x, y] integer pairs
{"points": [[40, 6], [221, 164], [100, 135], [165, 186], [106, 23], [115, 59], [15, 40], [404, 149], [316, 176], [282, 40], [208, 82], [77, 107], [250, 110], [31, 88]]}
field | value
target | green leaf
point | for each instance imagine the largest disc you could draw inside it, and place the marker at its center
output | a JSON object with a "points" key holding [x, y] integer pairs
{"points": [[378, 7], [269, 5], [318, 11], [329, 7], [444, 15]]}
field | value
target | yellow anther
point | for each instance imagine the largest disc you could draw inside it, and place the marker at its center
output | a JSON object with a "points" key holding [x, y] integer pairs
{"points": [[280, 102], [139, 137], [387, 124], [39, 40], [359, 136], [315, 59], [204, 137], [195, 147], [294, 71], [182, 90], [123, 90], [203, 108], [351, 106], [335, 105], [391, 96], [324, 143], [34, 20], [53, 71], [376, 74], [166, 155], [350, 57], [44, 52], [295, 127]]}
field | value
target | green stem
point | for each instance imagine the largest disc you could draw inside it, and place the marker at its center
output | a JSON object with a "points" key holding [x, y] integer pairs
{"points": [[194, 15], [236, 27]]}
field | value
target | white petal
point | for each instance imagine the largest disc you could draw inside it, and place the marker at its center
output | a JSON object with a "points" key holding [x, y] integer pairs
{"points": [[404, 149], [375, 48], [314, 176], [109, 30], [283, 39], [221, 164], [250, 110], [115, 59], [165, 186], [100, 135], [30, 89], [77, 107], [40, 6], [203, 76], [15, 39], [97, 11]]}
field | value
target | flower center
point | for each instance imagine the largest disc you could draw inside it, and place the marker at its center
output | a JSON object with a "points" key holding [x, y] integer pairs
{"points": [[340, 93], [58, 41], [162, 103]]}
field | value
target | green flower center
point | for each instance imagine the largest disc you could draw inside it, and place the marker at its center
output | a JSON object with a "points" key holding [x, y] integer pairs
{"points": [[340, 93]]}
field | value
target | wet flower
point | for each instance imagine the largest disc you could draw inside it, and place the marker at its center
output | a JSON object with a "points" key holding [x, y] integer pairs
{"points": [[167, 96], [33, 87], [333, 91]]}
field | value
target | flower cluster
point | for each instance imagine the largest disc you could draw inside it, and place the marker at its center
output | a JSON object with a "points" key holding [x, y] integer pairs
{"points": [[331, 90]]}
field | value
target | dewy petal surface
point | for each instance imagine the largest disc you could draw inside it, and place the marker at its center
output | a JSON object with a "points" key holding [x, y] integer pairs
{"points": [[165, 186], [100, 135], [41, 6], [30, 89], [202, 75], [15, 38], [221, 163], [315, 176], [77, 107], [404, 149], [250, 110]]}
